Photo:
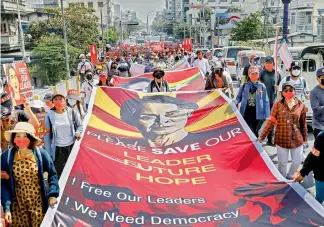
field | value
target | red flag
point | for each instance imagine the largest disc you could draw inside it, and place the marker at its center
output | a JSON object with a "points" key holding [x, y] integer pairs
{"points": [[93, 54]]}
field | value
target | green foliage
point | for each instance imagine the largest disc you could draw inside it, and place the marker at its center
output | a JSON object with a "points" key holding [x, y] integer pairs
{"points": [[50, 66], [234, 9], [37, 30], [81, 24], [205, 14], [181, 29], [110, 35], [248, 29], [160, 26]]}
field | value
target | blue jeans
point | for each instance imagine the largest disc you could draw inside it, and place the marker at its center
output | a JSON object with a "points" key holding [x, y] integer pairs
{"points": [[319, 186]]}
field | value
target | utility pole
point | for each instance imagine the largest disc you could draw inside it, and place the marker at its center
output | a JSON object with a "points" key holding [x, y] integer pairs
{"points": [[21, 32], [147, 25], [65, 43], [285, 19], [218, 32], [101, 21], [204, 24], [184, 31]]}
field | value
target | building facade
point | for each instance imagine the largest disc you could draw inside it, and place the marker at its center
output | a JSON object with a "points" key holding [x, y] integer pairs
{"points": [[10, 34]]}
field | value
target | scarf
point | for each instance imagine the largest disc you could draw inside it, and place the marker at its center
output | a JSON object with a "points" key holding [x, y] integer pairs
{"points": [[253, 86]]}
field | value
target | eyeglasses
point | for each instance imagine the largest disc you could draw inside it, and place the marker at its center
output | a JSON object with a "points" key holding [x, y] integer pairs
{"points": [[289, 90]]}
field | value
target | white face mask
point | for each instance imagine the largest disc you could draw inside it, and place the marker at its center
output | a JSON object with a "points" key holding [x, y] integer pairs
{"points": [[151, 61], [72, 102], [296, 72]]}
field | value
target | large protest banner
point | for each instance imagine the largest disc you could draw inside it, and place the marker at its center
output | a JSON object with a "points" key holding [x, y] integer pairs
{"points": [[174, 159], [182, 80], [182, 64], [19, 83]]}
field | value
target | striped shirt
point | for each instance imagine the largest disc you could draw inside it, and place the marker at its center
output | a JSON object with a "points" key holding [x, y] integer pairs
{"points": [[300, 87]]}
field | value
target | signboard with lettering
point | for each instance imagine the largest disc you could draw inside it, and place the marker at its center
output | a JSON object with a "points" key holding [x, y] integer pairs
{"points": [[174, 159], [19, 82]]}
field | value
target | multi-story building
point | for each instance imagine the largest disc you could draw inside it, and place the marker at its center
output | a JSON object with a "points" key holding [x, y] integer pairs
{"points": [[10, 36], [103, 9]]}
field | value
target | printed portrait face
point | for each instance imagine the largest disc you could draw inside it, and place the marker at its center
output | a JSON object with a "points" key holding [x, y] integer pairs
{"points": [[162, 118], [13, 80]]}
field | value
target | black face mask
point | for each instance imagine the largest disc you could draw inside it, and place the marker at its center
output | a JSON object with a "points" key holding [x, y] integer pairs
{"points": [[114, 67], [322, 81], [217, 71], [89, 77]]}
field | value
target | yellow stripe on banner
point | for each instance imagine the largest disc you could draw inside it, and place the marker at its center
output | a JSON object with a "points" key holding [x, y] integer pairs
{"points": [[223, 113], [208, 98], [103, 101], [183, 81], [101, 125], [170, 94]]}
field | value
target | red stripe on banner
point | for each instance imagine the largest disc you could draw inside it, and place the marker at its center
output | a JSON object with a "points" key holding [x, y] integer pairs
{"points": [[216, 176]]}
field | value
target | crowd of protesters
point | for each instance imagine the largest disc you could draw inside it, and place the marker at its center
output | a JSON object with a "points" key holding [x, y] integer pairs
{"points": [[264, 99]]}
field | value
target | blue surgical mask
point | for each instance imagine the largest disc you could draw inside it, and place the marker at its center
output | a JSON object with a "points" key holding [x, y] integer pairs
{"points": [[72, 102]]}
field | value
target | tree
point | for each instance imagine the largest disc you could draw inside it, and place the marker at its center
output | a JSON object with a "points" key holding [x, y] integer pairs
{"points": [[81, 26], [234, 9], [181, 29], [248, 29], [50, 64], [112, 35]]}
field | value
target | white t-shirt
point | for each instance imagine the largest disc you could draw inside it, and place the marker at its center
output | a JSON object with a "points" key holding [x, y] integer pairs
{"points": [[170, 60], [64, 136], [86, 90], [299, 86], [83, 66], [202, 64]]}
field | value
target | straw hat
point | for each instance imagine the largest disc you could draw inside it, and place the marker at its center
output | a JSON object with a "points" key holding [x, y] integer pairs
{"points": [[22, 127]]}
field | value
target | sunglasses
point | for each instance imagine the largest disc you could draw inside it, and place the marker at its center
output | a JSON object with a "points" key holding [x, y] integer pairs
{"points": [[289, 90]]}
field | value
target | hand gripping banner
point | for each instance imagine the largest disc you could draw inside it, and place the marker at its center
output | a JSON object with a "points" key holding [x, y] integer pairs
{"points": [[182, 80], [174, 159]]}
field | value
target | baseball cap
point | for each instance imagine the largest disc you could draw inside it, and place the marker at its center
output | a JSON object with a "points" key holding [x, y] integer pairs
{"points": [[81, 56], [320, 72], [253, 70], [288, 83], [48, 97], [36, 104], [295, 64], [269, 58], [57, 94]]}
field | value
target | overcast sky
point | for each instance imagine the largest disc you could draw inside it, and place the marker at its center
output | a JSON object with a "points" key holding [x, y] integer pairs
{"points": [[142, 7]]}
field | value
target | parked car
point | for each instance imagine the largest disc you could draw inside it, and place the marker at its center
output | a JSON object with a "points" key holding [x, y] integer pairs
{"points": [[230, 56]]}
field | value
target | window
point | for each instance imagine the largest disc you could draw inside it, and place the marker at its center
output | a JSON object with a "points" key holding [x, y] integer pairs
{"points": [[3, 29], [309, 66], [235, 0], [308, 17], [90, 4], [272, 3], [81, 4], [293, 18], [100, 4], [222, 0]]}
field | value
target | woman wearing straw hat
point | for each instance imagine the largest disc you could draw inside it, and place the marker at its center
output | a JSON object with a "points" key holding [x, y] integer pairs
{"points": [[24, 195]]}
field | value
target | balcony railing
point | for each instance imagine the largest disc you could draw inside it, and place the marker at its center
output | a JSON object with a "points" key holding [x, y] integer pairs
{"points": [[302, 28]]}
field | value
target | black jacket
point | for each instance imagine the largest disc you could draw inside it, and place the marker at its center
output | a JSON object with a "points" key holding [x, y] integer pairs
{"points": [[313, 163]]}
